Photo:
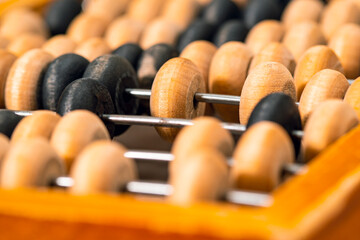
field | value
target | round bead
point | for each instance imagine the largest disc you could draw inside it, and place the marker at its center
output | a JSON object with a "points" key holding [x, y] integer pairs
{"points": [[219, 11], [352, 96], [258, 10], [233, 30], [107, 9], [259, 157], [173, 91], [131, 52], [25, 42], [4, 147], [8, 122], [60, 73], [111, 174], [6, 61], [144, 10], [264, 79], [59, 45], [93, 48], [31, 163], [180, 12]]}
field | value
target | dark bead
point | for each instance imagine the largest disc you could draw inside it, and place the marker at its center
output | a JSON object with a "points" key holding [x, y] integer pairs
{"points": [[117, 74], [60, 14], [279, 108], [131, 52], [8, 122], [60, 73], [232, 30], [259, 10], [88, 94], [198, 30], [219, 11]]}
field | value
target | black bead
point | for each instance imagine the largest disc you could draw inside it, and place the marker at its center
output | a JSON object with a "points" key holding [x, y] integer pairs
{"points": [[131, 52], [198, 30], [232, 30], [60, 73], [60, 14], [259, 10], [219, 11], [279, 108], [8, 122], [117, 74], [88, 94]]}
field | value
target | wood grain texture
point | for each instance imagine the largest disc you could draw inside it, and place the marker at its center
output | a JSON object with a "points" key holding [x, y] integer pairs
{"points": [[352, 96], [59, 45], [6, 61]]}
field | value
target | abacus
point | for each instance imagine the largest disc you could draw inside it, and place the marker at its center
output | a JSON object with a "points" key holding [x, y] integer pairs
{"points": [[275, 157]]}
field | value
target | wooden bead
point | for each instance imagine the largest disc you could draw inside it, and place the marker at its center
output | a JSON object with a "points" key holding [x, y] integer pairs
{"points": [[102, 167], [227, 75], [325, 84], [203, 177], [59, 45], [3, 42], [338, 13], [4, 147], [259, 156], [180, 12], [22, 20], [74, 132], [232, 30], [303, 10], [220, 11], [25, 42], [201, 53], [173, 91], [40, 124], [330, 120], [60, 73], [60, 14], [86, 26], [31, 163], [264, 79], [159, 31], [93, 48], [269, 109], [352, 96], [345, 42], [312, 61], [107, 9], [131, 52], [275, 52], [144, 10], [259, 10], [6, 61], [301, 36], [206, 132], [264, 33], [123, 30], [22, 90], [8, 122]]}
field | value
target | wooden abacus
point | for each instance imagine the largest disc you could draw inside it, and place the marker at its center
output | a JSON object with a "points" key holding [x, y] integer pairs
{"points": [[318, 202]]}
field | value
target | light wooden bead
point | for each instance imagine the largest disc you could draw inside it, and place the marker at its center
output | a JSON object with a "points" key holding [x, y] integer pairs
{"points": [[264, 79], [25, 42], [180, 12], [259, 157], [328, 122], [263, 33], [275, 52], [324, 85], [22, 84], [338, 13], [302, 10], [345, 42], [173, 91], [4, 147], [203, 177], [301, 36], [157, 31], [206, 132], [123, 30], [352, 96], [228, 71], [74, 132], [3, 42], [144, 10], [93, 48], [86, 26], [107, 9], [59, 45], [102, 167], [31, 163], [6, 61], [312, 61], [22, 20], [39, 124]]}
